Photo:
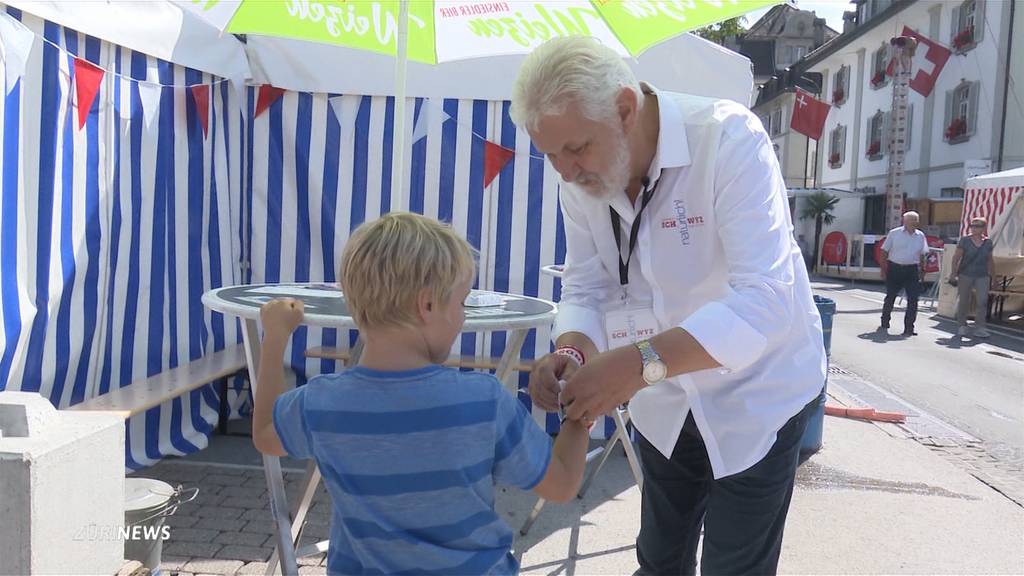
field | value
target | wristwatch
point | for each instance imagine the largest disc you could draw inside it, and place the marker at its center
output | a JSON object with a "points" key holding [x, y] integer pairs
{"points": [[654, 369]]}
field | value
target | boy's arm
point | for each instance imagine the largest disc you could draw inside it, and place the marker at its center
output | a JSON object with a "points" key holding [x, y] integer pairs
{"points": [[568, 460], [280, 318]]}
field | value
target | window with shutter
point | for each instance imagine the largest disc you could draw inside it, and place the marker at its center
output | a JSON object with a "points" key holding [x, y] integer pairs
{"points": [[967, 25], [961, 112], [842, 145], [972, 107], [879, 63], [875, 131]]}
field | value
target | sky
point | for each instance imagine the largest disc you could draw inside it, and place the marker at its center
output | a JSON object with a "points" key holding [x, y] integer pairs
{"points": [[830, 10]]}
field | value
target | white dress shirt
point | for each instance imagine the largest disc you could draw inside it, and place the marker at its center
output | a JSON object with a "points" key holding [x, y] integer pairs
{"points": [[904, 248], [715, 255]]}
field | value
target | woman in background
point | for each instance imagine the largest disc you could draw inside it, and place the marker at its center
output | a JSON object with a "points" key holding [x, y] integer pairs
{"points": [[973, 269]]}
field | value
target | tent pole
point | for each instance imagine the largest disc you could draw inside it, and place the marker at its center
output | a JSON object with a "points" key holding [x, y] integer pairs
{"points": [[399, 194]]}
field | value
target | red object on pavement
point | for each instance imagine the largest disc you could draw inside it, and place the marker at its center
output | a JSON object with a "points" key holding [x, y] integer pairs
{"points": [[834, 250], [865, 414], [809, 115], [929, 60]]}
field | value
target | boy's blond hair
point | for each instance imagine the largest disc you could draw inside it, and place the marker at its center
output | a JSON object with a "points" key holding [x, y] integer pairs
{"points": [[389, 261]]}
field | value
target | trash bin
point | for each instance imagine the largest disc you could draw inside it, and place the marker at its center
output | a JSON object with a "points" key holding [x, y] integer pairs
{"points": [[811, 442], [146, 503]]}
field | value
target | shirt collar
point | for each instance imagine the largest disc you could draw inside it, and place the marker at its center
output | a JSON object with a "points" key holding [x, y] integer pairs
{"points": [[673, 147]]}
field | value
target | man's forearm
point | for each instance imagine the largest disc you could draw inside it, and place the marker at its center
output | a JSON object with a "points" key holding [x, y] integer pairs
{"points": [[579, 340], [269, 382]]}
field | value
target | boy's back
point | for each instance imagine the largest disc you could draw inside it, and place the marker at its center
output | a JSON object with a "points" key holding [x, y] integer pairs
{"points": [[410, 460]]}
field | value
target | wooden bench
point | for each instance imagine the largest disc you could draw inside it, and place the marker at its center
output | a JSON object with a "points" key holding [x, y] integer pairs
{"points": [[142, 395], [472, 362]]}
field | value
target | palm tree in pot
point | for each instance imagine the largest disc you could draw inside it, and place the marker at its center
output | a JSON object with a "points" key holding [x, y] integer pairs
{"points": [[819, 207]]}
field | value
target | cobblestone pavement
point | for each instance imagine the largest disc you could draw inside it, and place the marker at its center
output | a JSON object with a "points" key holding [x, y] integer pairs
{"points": [[1000, 466], [227, 529]]}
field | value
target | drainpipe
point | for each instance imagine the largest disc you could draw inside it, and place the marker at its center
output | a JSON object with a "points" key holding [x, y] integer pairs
{"points": [[1006, 86]]}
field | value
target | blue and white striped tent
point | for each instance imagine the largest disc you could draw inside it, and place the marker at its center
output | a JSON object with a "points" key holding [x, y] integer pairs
{"points": [[109, 234]]}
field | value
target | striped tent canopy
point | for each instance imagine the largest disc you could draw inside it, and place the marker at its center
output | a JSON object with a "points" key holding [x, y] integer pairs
{"points": [[999, 198]]}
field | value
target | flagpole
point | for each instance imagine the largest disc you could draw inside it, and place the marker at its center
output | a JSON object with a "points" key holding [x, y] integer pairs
{"points": [[399, 198]]}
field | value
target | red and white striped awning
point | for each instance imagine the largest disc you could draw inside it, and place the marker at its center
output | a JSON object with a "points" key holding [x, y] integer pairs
{"points": [[999, 198]]}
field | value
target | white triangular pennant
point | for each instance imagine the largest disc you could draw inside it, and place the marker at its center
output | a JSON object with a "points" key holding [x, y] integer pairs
{"points": [[15, 47], [345, 109], [422, 125], [124, 102], [149, 95]]}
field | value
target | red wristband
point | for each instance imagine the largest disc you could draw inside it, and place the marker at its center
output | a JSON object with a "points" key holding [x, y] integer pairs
{"points": [[572, 352]]}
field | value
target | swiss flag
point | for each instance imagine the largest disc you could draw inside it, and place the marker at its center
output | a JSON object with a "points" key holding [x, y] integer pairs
{"points": [[929, 60], [809, 115]]}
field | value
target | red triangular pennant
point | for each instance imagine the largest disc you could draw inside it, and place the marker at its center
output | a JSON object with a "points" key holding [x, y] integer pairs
{"points": [[267, 96], [495, 158], [87, 84], [201, 96]]}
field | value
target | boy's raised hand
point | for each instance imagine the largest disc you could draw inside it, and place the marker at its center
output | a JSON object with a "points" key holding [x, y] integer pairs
{"points": [[280, 317]]}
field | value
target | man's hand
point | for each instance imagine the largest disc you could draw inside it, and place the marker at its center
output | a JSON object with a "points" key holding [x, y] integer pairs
{"points": [[545, 376], [606, 381], [280, 318]]}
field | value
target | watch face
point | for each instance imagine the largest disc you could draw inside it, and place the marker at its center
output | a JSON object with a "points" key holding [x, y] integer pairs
{"points": [[655, 372]]}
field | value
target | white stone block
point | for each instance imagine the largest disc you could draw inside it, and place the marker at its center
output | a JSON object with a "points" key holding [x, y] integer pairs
{"points": [[61, 488]]}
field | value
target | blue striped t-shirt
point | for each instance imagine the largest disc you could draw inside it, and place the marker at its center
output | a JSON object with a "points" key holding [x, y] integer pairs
{"points": [[410, 460]]}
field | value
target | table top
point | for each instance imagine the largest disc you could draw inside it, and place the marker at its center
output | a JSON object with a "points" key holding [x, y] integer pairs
{"points": [[325, 306]]}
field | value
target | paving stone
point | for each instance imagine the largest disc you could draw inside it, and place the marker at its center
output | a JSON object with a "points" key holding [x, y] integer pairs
{"points": [[257, 502], [180, 521], [313, 570], [256, 514], [173, 562], [221, 524], [314, 560], [220, 512], [247, 553], [214, 566], [224, 480], [264, 527], [253, 569], [241, 539], [244, 491], [315, 530], [192, 535], [191, 549]]}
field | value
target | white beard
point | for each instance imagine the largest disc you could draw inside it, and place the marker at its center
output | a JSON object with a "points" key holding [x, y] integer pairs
{"points": [[614, 180]]}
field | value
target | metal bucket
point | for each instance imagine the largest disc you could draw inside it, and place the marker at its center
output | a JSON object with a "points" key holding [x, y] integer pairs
{"points": [[146, 503]]}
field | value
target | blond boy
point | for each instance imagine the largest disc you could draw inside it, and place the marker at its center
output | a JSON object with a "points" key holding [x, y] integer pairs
{"points": [[410, 451]]}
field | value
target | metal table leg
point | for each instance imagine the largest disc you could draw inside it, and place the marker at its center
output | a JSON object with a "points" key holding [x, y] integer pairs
{"points": [[272, 469]]}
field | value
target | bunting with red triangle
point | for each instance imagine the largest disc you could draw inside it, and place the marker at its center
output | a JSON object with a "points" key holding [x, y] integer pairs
{"points": [[267, 96], [495, 159], [87, 84], [201, 97]]}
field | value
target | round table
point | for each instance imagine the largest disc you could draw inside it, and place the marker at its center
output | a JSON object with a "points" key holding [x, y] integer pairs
{"points": [[325, 307]]}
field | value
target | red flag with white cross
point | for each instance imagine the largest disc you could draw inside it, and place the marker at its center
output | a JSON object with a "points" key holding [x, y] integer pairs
{"points": [[809, 115], [929, 60]]}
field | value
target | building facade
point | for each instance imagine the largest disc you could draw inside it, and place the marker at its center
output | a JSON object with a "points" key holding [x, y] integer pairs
{"points": [[961, 128]]}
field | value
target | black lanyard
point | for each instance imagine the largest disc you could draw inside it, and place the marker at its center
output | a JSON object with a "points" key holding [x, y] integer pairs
{"points": [[633, 233]]}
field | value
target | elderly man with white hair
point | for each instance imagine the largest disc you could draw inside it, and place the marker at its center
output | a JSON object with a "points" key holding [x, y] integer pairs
{"points": [[904, 251], [684, 293]]}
